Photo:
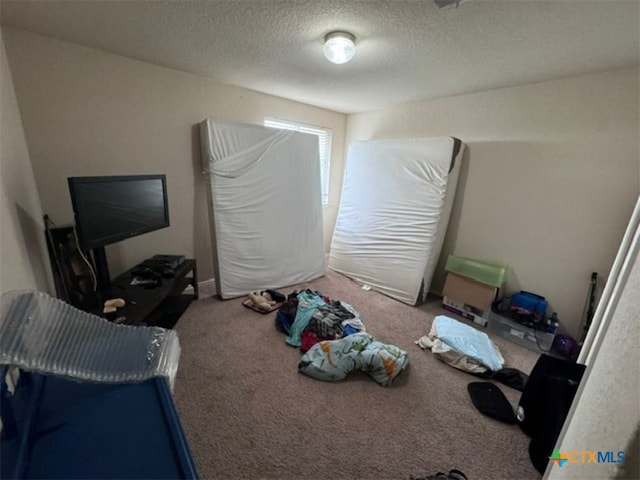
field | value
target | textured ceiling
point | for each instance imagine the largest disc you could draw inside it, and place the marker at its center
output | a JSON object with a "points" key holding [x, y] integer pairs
{"points": [[407, 50]]}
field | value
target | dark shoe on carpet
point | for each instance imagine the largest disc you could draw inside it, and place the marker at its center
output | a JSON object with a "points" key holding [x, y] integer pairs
{"points": [[452, 475], [490, 400]]}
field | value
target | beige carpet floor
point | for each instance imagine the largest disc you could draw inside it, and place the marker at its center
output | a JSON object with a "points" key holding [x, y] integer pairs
{"points": [[247, 413]]}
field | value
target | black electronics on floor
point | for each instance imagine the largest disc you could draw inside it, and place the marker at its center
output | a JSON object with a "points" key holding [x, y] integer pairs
{"points": [[545, 403]]}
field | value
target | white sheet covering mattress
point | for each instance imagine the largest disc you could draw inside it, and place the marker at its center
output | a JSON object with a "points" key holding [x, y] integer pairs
{"points": [[394, 211], [266, 206]]}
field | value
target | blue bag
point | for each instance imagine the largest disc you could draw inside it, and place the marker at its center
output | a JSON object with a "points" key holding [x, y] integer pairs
{"points": [[529, 305]]}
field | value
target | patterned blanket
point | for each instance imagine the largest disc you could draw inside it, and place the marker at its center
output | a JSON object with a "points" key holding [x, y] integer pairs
{"points": [[332, 360]]}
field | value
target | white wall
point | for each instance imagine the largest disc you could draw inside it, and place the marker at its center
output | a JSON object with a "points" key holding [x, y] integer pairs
{"points": [[607, 414], [86, 112], [549, 180], [23, 258]]}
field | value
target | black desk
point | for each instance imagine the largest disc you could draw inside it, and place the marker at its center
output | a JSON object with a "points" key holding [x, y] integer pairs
{"points": [[57, 428], [161, 305]]}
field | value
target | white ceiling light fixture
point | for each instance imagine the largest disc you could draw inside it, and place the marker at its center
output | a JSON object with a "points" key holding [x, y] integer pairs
{"points": [[339, 47]]}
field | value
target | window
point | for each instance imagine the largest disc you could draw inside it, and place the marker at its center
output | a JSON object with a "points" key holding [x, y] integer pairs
{"points": [[324, 144]]}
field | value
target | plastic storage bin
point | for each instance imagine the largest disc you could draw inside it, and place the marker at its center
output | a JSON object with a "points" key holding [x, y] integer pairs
{"points": [[493, 274], [536, 340]]}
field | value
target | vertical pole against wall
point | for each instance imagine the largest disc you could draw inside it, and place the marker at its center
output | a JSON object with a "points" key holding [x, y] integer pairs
{"points": [[616, 281]]}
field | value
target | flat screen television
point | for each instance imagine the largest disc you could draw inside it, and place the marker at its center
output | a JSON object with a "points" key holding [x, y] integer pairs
{"points": [[109, 209]]}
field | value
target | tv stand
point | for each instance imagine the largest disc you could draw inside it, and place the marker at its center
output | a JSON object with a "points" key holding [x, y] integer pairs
{"points": [[161, 305], [102, 269]]}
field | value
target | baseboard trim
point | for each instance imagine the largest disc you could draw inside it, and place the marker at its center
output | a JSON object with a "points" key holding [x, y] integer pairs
{"points": [[211, 283], [208, 287]]}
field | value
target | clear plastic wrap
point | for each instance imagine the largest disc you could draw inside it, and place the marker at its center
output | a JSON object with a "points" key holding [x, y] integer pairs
{"points": [[43, 334]]}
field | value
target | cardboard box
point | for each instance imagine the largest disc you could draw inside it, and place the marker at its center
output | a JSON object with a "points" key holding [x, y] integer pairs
{"points": [[466, 290], [469, 298], [467, 311]]}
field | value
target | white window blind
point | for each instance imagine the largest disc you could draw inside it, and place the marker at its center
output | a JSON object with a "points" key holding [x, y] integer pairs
{"points": [[324, 144]]}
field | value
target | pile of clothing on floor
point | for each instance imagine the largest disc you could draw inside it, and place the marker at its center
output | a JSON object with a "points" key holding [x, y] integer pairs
{"points": [[462, 346], [466, 348], [307, 317], [334, 339]]}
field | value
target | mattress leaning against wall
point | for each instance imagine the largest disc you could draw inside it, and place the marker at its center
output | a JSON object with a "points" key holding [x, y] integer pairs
{"points": [[266, 206], [394, 211]]}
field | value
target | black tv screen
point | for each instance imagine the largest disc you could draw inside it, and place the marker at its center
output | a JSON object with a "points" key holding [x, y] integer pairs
{"points": [[110, 209]]}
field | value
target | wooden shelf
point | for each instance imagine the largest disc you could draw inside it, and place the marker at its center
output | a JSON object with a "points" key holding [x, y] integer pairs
{"points": [[150, 305]]}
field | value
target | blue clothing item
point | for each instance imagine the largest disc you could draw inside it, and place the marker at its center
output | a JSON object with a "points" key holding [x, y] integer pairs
{"points": [[307, 304], [283, 323], [349, 330]]}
